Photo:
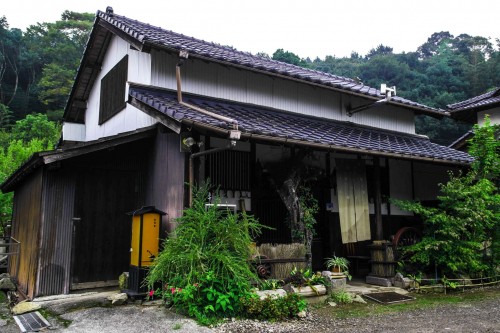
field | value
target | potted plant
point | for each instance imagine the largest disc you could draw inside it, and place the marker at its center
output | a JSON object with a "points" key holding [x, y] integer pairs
{"points": [[338, 265], [306, 283]]}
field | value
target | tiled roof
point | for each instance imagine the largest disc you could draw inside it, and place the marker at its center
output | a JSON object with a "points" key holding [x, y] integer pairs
{"points": [[156, 37], [483, 101], [298, 128]]}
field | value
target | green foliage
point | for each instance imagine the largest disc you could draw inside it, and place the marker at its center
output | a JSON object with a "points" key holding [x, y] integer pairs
{"points": [[209, 299], [289, 57], [340, 262], [308, 208], [305, 278], [5, 117], [270, 284], [341, 296], [458, 232], [55, 85], [36, 126], [204, 266], [10, 159], [273, 309], [37, 66]]}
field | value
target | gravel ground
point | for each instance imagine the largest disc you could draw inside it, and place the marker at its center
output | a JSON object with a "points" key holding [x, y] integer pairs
{"points": [[470, 316], [482, 316]]}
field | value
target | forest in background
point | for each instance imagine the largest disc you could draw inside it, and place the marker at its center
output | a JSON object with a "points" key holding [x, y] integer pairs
{"points": [[37, 68]]}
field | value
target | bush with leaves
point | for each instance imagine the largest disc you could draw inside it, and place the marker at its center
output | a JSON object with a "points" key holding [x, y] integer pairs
{"points": [[458, 233], [273, 309], [204, 266]]}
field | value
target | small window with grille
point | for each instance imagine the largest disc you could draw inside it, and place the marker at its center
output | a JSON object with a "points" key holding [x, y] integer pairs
{"points": [[113, 86]]}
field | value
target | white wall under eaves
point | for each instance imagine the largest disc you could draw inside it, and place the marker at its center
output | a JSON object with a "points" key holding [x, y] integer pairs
{"points": [[129, 119], [230, 83]]}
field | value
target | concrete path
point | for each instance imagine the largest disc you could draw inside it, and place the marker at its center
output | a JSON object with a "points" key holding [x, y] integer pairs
{"points": [[91, 312]]}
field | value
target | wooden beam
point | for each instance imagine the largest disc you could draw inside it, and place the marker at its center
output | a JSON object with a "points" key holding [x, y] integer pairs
{"points": [[157, 115], [378, 199]]}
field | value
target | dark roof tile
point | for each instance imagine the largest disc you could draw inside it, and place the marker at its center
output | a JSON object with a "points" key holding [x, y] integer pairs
{"points": [[161, 38], [478, 102], [253, 119]]}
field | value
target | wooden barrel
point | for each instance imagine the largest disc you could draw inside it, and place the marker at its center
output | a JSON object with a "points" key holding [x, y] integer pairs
{"points": [[382, 259]]}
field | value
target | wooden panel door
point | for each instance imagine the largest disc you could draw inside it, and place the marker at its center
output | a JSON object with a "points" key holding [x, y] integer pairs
{"points": [[101, 231]]}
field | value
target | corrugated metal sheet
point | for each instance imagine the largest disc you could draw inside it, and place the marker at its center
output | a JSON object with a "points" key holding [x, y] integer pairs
{"points": [[26, 229], [56, 234]]}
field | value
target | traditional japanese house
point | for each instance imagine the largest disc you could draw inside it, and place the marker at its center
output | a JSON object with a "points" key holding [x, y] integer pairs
{"points": [[146, 111]]}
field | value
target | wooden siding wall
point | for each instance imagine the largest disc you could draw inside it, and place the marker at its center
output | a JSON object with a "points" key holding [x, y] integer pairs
{"points": [[165, 183], [400, 183], [139, 71], [56, 233], [26, 221], [427, 178], [210, 79]]}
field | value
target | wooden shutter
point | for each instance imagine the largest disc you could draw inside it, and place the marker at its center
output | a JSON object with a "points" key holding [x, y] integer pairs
{"points": [[113, 85]]}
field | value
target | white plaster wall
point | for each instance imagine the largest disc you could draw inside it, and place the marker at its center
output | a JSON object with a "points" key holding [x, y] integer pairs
{"points": [[493, 113], [73, 132], [129, 119], [214, 80]]}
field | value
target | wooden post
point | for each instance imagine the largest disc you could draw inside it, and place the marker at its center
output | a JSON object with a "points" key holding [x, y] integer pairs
{"points": [[378, 199]]}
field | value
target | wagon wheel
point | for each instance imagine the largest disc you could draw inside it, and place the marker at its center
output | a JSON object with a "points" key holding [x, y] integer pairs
{"points": [[263, 269], [406, 236]]}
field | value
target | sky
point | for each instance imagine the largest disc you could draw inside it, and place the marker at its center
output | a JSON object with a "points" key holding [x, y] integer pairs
{"points": [[307, 28]]}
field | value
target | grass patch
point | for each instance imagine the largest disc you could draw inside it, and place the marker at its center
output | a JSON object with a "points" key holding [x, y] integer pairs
{"points": [[422, 301], [47, 314]]}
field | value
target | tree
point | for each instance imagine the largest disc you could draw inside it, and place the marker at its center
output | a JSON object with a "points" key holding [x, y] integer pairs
{"points": [[36, 127], [460, 233], [10, 159], [289, 57], [60, 46], [379, 50]]}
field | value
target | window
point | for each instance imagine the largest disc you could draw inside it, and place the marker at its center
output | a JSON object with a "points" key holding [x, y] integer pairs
{"points": [[113, 87]]}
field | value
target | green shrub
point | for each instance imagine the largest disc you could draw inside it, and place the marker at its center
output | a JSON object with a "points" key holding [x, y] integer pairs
{"points": [[204, 266], [341, 297], [273, 309], [462, 233]]}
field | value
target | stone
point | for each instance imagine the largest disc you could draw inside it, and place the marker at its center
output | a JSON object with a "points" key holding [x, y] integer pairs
{"points": [[118, 299], [338, 283], [277, 293], [358, 299], [403, 284], [7, 284], [302, 314], [332, 304], [307, 291], [4, 275], [378, 281], [25, 307]]}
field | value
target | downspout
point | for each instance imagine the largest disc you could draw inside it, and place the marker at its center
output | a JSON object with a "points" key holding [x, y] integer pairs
{"points": [[233, 134]]}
